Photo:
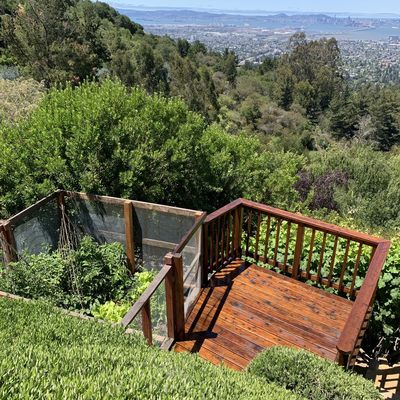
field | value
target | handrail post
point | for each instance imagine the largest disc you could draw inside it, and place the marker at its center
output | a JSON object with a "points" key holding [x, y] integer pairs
{"points": [[238, 231], [298, 251], [174, 297], [61, 204], [146, 323], [343, 359], [129, 235]]}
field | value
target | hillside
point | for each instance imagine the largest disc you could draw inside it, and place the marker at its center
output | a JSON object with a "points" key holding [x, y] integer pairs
{"points": [[45, 353]]}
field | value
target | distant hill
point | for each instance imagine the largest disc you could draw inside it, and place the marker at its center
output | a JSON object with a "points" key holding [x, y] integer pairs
{"points": [[313, 23]]}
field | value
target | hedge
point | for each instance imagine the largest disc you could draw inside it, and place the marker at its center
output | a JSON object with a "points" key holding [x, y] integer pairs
{"points": [[310, 376], [47, 354]]}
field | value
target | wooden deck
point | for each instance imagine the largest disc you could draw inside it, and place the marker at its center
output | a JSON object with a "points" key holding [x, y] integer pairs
{"points": [[247, 309]]}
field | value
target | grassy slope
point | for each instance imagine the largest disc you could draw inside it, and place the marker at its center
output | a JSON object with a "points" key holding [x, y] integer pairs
{"points": [[46, 354]]}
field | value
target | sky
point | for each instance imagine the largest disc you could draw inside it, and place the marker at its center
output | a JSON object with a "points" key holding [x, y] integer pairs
{"points": [[349, 6]]}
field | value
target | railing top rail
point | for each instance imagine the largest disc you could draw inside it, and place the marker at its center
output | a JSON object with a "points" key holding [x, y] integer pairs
{"points": [[145, 297], [136, 203], [298, 219], [229, 207], [314, 223], [27, 211], [180, 246], [351, 331]]}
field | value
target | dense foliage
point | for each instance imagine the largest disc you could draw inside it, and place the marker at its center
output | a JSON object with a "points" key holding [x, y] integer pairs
{"points": [[87, 279], [311, 376], [105, 139], [46, 354]]}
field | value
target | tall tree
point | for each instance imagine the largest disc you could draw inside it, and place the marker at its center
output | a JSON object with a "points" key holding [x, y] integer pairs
{"points": [[53, 40], [344, 116], [386, 119]]}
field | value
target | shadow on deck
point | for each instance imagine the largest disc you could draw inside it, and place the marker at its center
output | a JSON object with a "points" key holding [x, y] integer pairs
{"points": [[247, 309]]}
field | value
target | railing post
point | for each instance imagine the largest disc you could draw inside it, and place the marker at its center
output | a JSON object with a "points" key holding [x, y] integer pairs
{"points": [[174, 297], [61, 210], [238, 231], [129, 235], [298, 251], [146, 323], [8, 242], [343, 359]]}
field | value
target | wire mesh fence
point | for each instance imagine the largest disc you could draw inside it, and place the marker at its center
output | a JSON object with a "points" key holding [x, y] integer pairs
{"points": [[59, 222]]}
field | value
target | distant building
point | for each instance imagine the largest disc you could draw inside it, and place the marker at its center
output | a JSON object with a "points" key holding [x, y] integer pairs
{"points": [[394, 39]]}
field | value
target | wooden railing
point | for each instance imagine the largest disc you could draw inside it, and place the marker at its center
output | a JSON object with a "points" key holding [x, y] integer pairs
{"points": [[353, 333], [304, 248], [172, 276]]}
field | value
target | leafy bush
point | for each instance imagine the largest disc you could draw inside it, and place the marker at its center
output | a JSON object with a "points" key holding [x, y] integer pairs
{"points": [[46, 354], [114, 312], [366, 184], [36, 276], [92, 277], [105, 139], [311, 376]]}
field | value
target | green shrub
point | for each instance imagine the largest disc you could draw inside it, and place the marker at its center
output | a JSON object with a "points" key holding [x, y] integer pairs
{"points": [[106, 139], [90, 278], [310, 376], [35, 276], [48, 355], [114, 312]]}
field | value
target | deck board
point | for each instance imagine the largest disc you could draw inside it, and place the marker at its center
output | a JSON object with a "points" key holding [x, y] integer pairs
{"points": [[247, 309]]}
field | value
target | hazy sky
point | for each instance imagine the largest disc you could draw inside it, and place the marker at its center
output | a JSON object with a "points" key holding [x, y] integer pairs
{"points": [[357, 6]]}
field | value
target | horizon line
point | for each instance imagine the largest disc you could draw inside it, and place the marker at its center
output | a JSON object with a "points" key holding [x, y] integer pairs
{"points": [[247, 11]]}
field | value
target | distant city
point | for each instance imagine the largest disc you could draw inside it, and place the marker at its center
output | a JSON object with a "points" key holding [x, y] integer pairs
{"points": [[370, 44]]}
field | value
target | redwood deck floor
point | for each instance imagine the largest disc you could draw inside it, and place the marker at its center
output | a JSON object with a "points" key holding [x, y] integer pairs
{"points": [[248, 308]]}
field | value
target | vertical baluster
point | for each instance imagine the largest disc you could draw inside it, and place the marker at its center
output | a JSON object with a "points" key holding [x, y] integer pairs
{"points": [[332, 261], [267, 239], [217, 244], [228, 237], [223, 231], [344, 265], [355, 272], [206, 261], [298, 251], [256, 256], [310, 253], [212, 246], [237, 234], [277, 233], [250, 218], [321, 258], [287, 246]]}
